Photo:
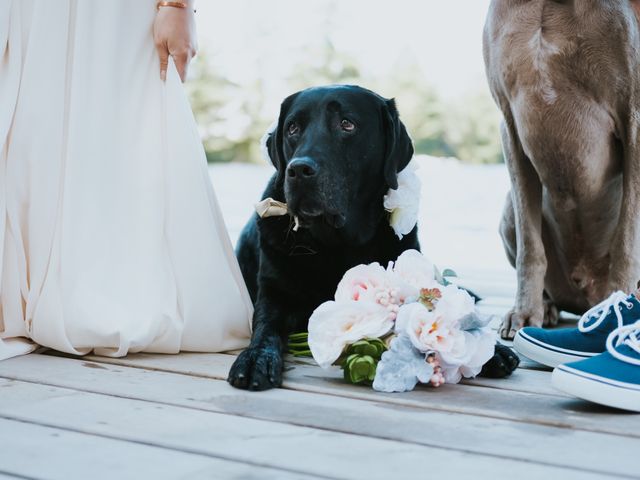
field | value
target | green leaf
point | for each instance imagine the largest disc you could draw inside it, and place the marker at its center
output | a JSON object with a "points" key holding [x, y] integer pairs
{"points": [[449, 273]]}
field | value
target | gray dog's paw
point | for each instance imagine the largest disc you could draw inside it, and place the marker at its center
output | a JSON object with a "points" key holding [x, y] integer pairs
{"points": [[502, 364], [257, 368], [516, 319]]}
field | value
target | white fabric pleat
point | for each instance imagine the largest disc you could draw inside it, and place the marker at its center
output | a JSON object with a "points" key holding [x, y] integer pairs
{"points": [[111, 235]]}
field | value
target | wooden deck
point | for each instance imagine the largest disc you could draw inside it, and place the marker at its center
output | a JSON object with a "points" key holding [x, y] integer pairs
{"points": [[157, 416], [161, 416]]}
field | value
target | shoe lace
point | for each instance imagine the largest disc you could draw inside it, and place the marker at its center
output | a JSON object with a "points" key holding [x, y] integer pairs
{"points": [[600, 311], [628, 335]]}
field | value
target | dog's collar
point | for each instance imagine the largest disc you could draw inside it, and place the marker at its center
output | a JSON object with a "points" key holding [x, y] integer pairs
{"points": [[273, 208]]}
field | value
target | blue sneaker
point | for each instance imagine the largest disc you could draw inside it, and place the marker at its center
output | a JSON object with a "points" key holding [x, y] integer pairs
{"points": [[555, 347], [611, 378]]}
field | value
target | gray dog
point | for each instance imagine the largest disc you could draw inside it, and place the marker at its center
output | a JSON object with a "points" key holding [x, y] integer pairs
{"points": [[566, 75]]}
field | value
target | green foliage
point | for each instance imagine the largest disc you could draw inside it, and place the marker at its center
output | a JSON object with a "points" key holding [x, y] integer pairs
{"points": [[229, 115], [447, 272], [299, 344], [373, 347], [361, 359], [360, 369]]}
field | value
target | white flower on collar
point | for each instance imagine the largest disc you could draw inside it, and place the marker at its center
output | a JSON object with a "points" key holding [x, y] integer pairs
{"points": [[403, 203]]}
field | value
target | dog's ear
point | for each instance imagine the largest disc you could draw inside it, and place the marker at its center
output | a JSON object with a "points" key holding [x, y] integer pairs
{"points": [[273, 140], [266, 143], [399, 147]]}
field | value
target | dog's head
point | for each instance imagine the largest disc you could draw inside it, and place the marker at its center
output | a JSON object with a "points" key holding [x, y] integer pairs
{"points": [[337, 150]]}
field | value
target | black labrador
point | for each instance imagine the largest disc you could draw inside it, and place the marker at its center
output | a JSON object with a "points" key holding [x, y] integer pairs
{"points": [[337, 151]]}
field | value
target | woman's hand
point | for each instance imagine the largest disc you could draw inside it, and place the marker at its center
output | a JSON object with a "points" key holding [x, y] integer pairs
{"points": [[174, 33]]}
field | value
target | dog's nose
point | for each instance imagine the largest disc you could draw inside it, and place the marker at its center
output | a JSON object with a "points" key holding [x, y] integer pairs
{"points": [[302, 168]]}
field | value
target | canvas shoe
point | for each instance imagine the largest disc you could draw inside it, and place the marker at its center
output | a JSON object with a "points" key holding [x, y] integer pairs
{"points": [[554, 347], [611, 378]]}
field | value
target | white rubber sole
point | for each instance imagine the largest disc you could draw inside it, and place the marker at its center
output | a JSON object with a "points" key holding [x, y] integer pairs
{"points": [[597, 389], [546, 355]]}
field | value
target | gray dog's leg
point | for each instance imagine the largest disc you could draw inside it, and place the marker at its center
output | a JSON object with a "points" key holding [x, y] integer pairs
{"points": [[531, 263], [625, 255]]}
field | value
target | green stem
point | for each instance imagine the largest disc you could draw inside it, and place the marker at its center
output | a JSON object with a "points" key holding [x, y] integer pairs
{"points": [[302, 353], [299, 336]]}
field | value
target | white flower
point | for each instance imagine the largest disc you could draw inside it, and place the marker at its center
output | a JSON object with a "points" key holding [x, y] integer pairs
{"points": [[485, 347], [455, 303], [401, 367], [403, 203], [415, 269], [478, 348], [334, 325]]}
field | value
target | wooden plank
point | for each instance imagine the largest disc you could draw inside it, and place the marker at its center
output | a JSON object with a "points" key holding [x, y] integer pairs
{"points": [[424, 426], [536, 379], [522, 380], [29, 450], [262, 443], [553, 410], [218, 365], [528, 364]]}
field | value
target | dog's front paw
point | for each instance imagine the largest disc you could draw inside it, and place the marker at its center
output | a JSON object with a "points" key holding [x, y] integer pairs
{"points": [[257, 368], [516, 319], [502, 364]]}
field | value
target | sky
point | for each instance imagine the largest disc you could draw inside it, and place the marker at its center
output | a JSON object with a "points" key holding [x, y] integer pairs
{"points": [[443, 37]]}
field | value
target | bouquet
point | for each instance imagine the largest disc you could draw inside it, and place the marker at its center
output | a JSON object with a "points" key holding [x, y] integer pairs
{"points": [[398, 326]]}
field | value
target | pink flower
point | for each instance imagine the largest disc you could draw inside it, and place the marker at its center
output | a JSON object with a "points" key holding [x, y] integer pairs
{"points": [[429, 331], [372, 283]]}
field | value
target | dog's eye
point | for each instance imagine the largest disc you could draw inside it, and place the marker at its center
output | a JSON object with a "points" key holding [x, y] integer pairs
{"points": [[293, 129], [347, 125]]}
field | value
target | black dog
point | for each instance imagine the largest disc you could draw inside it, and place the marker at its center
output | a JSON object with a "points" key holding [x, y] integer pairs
{"points": [[337, 151]]}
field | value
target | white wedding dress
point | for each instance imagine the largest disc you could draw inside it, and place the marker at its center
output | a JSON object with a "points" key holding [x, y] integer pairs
{"points": [[111, 240]]}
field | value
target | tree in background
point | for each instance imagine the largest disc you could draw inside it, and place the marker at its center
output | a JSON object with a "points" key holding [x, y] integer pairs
{"points": [[229, 115], [473, 129], [232, 117], [421, 109]]}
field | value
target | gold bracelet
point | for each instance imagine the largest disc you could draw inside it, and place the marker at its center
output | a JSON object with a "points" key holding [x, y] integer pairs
{"points": [[172, 4]]}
